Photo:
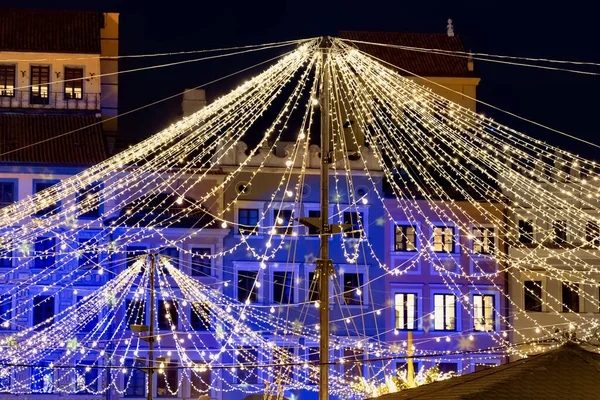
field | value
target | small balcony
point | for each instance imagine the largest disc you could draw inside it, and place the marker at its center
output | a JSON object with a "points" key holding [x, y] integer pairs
{"points": [[49, 100]]}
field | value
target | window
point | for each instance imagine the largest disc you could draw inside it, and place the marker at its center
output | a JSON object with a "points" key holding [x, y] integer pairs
{"points": [[40, 89], [283, 287], [448, 367], [133, 253], [42, 378], [167, 382], [135, 312], [405, 238], [167, 314], [5, 375], [353, 283], [73, 83], [444, 312], [405, 306], [91, 324], [483, 313], [443, 239], [201, 266], [44, 248], [86, 381], [282, 222], [570, 297], [172, 256], [247, 358], [355, 219], [136, 380], [533, 295], [313, 357], [526, 231], [353, 367], [313, 214], [7, 193], [52, 208], [560, 232], [246, 289], [483, 240], [7, 80], [283, 373], [43, 312], [89, 199], [200, 384], [6, 255], [5, 311], [88, 257], [248, 221], [200, 316], [592, 233]]}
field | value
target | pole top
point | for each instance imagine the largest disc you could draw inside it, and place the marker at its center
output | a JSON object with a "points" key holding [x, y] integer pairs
{"points": [[325, 42]]}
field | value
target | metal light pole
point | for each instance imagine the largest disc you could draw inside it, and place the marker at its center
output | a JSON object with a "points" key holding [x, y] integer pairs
{"points": [[324, 264], [151, 331]]}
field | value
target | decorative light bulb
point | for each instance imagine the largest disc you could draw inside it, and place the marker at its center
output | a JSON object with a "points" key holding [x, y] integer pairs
{"points": [[223, 224]]}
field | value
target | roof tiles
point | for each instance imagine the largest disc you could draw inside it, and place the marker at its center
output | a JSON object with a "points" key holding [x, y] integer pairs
{"points": [[50, 31], [67, 139], [416, 62]]}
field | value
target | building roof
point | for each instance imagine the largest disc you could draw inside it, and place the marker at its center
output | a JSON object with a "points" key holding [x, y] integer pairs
{"points": [[419, 63], [50, 31], [83, 147], [569, 372]]}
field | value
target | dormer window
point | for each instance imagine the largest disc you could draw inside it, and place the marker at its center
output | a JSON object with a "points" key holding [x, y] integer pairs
{"points": [[73, 83]]}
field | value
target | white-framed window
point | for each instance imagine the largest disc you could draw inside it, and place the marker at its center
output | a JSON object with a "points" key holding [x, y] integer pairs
{"points": [[444, 238], [484, 240], [484, 312], [445, 311], [247, 215], [354, 289], [248, 282], [406, 315], [405, 237]]}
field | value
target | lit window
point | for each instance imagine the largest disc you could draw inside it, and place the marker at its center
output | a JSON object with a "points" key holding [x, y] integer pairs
{"points": [[443, 239], [444, 312], [73, 83], [405, 238], [40, 88], [405, 306], [7, 80], [483, 313], [483, 240]]}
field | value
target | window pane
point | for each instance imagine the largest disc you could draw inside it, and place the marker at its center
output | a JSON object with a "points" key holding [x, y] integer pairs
{"points": [[248, 221], [353, 288], [201, 266], [5, 311], [247, 358], [7, 193], [246, 289], [282, 222], [167, 314], [167, 382], [533, 295], [43, 312], [526, 231], [200, 317]]}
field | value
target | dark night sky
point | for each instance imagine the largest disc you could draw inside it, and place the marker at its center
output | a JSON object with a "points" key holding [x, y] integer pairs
{"points": [[565, 101]]}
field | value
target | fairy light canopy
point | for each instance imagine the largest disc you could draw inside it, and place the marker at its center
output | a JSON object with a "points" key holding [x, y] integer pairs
{"points": [[439, 161]]}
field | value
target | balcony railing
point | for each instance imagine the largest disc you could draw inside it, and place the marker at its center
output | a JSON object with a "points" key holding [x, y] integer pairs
{"points": [[59, 100]]}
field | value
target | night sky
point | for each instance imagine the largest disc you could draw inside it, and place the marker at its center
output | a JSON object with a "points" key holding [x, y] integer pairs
{"points": [[569, 30]]}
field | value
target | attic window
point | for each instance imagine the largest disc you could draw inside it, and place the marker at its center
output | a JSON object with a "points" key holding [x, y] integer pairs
{"points": [[243, 188]]}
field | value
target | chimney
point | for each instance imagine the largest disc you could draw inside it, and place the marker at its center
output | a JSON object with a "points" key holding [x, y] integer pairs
{"points": [[450, 28], [470, 65], [193, 100]]}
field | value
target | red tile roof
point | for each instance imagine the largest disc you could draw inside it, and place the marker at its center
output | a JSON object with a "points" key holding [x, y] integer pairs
{"points": [[84, 147], [419, 63], [569, 372], [50, 31]]}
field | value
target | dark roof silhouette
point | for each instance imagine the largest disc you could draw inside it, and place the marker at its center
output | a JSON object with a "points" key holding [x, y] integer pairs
{"points": [[52, 31], [569, 372], [417, 62], [84, 146]]}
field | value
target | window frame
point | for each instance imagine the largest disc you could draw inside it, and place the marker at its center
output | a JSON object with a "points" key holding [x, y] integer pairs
{"points": [[42, 263], [403, 224], [564, 306], [494, 238], [73, 82], [244, 204], [308, 270], [592, 238], [560, 232], [416, 319], [250, 267], [53, 302], [15, 183], [354, 269], [97, 188], [193, 268], [521, 224], [455, 235], [293, 269], [39, 98], [4, 87], [457, 318], [494, 318], [57, 206], [539, 284], [4, 308]]}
